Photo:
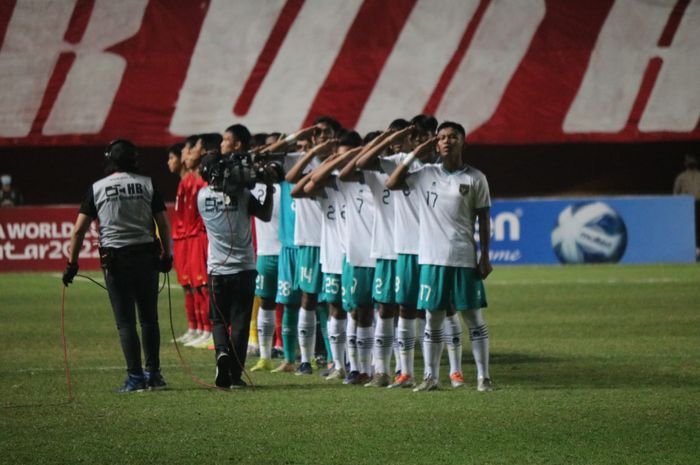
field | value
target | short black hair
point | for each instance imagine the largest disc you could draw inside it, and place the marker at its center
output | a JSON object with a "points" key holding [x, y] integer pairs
{"points": [[120, 155], [242, 134], [398, 124], [351, 139], [211, 141], [192, 140], [370, 136], [425, 123], [330, 121], [176, 149], [451, 124]]}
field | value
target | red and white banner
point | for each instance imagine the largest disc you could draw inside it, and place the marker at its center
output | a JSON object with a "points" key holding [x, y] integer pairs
{"points": [[511, 71]]}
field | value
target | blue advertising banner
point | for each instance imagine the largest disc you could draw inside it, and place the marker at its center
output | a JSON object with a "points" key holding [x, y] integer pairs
{"points": [[593, 230]]}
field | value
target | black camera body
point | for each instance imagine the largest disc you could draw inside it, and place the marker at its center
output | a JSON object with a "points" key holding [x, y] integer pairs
{"points": [[231, 172]]}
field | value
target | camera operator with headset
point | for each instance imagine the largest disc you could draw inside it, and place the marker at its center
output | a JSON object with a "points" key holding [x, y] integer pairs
{"points": [[125, 205], [226, 206]]}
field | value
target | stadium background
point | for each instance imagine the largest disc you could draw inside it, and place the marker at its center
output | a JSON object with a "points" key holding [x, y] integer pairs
{"points": [[559, 98]]}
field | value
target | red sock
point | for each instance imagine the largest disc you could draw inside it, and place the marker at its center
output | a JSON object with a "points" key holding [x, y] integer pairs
{"points": [[190, 310], [278, 326]]}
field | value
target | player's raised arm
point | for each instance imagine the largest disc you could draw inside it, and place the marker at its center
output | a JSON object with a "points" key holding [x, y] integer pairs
{"points": [[349, 172], [283, 142], [387, 138], [397, 179], [325, 170], [297, 171]]}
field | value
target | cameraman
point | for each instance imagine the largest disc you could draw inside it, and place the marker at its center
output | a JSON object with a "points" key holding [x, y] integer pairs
{"points": [[125, 205], [230, 263]]}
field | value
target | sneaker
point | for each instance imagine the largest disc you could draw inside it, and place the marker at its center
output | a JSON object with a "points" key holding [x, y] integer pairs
{"points": [[351, 378], [457, 379], [277, 352], [239, 384], [205, 343], [133, 383], [402, 381], [154, 380], [304, 369], [198, 339], [484, 385], [187, 336], [223, 370], [264, 364], [285, 367], [379, 380], [429, 384], [336, 375], [362, 379]]}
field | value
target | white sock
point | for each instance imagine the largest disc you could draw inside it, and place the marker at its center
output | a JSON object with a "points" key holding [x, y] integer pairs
{"points": [[383, 344], [397, 353], [479, 337], [432, 342], [453, 340], [406, 340], [266, 331], [338, 335], [365, 342], [352, 344], [420, 330], [307, 333]]}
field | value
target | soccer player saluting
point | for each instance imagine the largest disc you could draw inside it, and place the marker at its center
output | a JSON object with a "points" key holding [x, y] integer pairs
{"points": [[307, 236], [455, 195]]}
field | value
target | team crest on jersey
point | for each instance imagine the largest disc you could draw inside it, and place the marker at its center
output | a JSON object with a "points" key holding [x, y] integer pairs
{"points": [[464, 189]]}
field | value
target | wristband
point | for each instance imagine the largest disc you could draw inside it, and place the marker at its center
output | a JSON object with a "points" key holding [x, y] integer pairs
{"points": [[409, 159], [290, 138]]}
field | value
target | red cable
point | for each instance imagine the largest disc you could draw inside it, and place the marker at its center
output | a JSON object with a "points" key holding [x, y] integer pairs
{"points": [[65, 347]]}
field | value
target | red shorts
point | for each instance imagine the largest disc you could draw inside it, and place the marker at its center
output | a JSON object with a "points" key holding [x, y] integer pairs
{"points": [[180, 261], [197, 264]]}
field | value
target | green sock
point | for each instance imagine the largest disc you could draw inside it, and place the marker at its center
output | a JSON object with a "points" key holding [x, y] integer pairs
{"points": [[290, 320]]}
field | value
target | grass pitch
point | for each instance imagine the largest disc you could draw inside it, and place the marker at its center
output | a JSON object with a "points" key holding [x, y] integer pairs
{"points": [[594, 365]]}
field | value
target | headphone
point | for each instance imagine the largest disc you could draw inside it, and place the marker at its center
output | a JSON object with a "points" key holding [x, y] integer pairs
{"points": [[128, 149]]}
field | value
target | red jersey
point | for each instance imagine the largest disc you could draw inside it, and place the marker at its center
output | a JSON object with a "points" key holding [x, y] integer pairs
{"points": [[192, 221], [178, 228]]}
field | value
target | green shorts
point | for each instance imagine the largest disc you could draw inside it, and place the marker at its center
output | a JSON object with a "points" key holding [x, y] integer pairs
{"points": [[407, 280], [442, 287], [266, 282], [356, 284], [308, 272], [384, 290], [331, 292], [286, 294]]}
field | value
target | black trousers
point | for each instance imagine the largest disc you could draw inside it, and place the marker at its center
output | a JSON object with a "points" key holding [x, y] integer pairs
{"points": [[132, 284], [231, 303]]}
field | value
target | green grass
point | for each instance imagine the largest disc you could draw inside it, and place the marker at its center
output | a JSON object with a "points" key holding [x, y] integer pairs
{"points": [[594, 365]]}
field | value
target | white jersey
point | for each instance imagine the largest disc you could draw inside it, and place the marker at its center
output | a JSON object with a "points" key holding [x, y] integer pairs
{"points": [[307, 225], [383, 226], [406, 207], [267, 233], [448, 212], [333, 230], [228, 230], [359, 216]]}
